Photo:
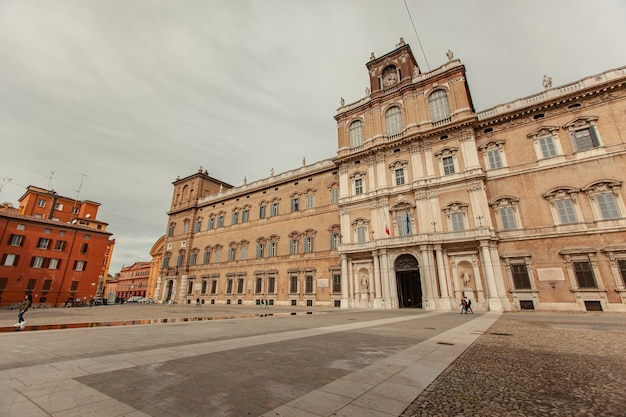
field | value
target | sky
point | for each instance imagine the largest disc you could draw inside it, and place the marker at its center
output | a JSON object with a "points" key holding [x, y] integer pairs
{"points": [[111, 100]]}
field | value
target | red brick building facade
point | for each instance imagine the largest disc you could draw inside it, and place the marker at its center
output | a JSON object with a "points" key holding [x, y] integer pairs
{"points": [[53, 248]]}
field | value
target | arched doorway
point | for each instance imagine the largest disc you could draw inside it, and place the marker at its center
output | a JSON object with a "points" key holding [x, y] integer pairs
{"points": [[408, 281], [170, 286]]}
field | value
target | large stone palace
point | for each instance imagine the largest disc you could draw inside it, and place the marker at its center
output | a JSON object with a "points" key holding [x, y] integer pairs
{"points": [[427, 201]]}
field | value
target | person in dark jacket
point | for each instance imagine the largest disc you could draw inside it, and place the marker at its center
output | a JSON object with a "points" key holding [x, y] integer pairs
{"points": [[23, 308]]}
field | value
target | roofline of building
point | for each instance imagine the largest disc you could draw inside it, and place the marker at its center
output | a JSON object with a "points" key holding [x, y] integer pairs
{"points": [[272, 181], [32, 219]]}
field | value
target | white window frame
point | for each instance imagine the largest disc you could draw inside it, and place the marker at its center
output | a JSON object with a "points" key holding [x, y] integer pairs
{"points": [[355, 132], [438, 105], [456, 213], [393, 121], [605, 189]]}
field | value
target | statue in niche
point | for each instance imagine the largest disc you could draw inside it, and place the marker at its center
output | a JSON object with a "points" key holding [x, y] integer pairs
{"points": [[466, 275], [364, 283]]}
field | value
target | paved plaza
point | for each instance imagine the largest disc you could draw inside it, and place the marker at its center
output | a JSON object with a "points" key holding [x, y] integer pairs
{"points": [[153, 360]]}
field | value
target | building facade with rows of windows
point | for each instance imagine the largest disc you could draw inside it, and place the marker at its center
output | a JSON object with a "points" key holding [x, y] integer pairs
{"points": [[54, 248], [427, 201]]}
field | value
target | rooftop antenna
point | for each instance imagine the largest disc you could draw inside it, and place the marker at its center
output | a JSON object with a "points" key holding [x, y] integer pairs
{"points": [[50, 180], [82, 179], [5, 181]]}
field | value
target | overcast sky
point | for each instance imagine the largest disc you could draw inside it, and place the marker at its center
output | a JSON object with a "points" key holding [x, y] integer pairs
{"points": [[133, 93]]}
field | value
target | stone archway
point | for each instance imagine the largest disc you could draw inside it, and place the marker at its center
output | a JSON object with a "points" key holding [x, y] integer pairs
{"points": [[170, 287], [408, 281]]}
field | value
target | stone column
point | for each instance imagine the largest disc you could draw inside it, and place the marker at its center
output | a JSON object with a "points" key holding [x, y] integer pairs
{"points": [[444, 303], [494, 302], [344, 281]]}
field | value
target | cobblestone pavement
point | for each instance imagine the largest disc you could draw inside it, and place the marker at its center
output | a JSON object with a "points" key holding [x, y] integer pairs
{"points": [[535, 364]]}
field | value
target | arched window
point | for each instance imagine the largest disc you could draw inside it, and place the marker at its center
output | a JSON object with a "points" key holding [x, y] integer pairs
{"points": [[356, 134], [393, 121], [438, 105]]}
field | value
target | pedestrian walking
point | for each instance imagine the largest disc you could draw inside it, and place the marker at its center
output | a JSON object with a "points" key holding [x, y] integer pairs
{"points": [[468, 306], [463, 306], [23, 308]]}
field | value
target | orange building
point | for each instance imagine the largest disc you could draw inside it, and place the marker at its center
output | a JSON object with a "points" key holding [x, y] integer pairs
{"points": [[131, 281], [53, 248]]}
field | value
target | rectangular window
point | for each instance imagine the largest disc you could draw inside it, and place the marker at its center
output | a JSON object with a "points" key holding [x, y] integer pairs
{"points": [[621, 263], [358, 186], [75, 210], [179, 260], [166, 261], [74, 286], [190, 287], [197, 226], [308, 244], [3, 283], [271, 285], [584, 274], [260, 250], [84, 247], [218, 254], [399, 176], [335, 241], [245, 215], [404, 223], [193, 258], [308, 284], [41, 203], [10, 259], [170, 231], [336, 283], [334, 195], [20, 227], [206, 257], [36, 262], [508, 218], [47, 284], [495, 159], [214, 286], [234, 218], [566, 211], [293, 284], [59, 245], [244, 252], [521, 280], [31, 284], [361, 233], [258, 289], [274, 210], [272, 249], [211, 223], [43, 243], [16, 240], [293, 246], [607, 205], [79, 265], [295, 204], [457, 221], [239, 285], [448, 165], [186, 227], [229, 286], [548, 149], [220, 220], [204, 287], [231, 254], [309, 201], [585, 139], [54, 263], [262, 210]]}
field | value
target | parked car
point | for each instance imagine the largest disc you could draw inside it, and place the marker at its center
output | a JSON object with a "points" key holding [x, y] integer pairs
{"points": [[133, 299], [98, 301]]}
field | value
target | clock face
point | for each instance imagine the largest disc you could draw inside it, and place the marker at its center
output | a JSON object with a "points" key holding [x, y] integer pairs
{"points": [[389, 79]]}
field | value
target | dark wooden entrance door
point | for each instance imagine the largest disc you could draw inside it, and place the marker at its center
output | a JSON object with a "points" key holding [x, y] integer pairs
{"points": [[408, 281]]}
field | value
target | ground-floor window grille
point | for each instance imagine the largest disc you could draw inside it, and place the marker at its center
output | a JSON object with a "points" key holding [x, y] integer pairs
{"points": [[526, 305], [593, 306]]}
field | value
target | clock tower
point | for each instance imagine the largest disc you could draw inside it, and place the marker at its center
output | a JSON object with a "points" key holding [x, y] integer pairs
{"points": [[392, 69]]}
